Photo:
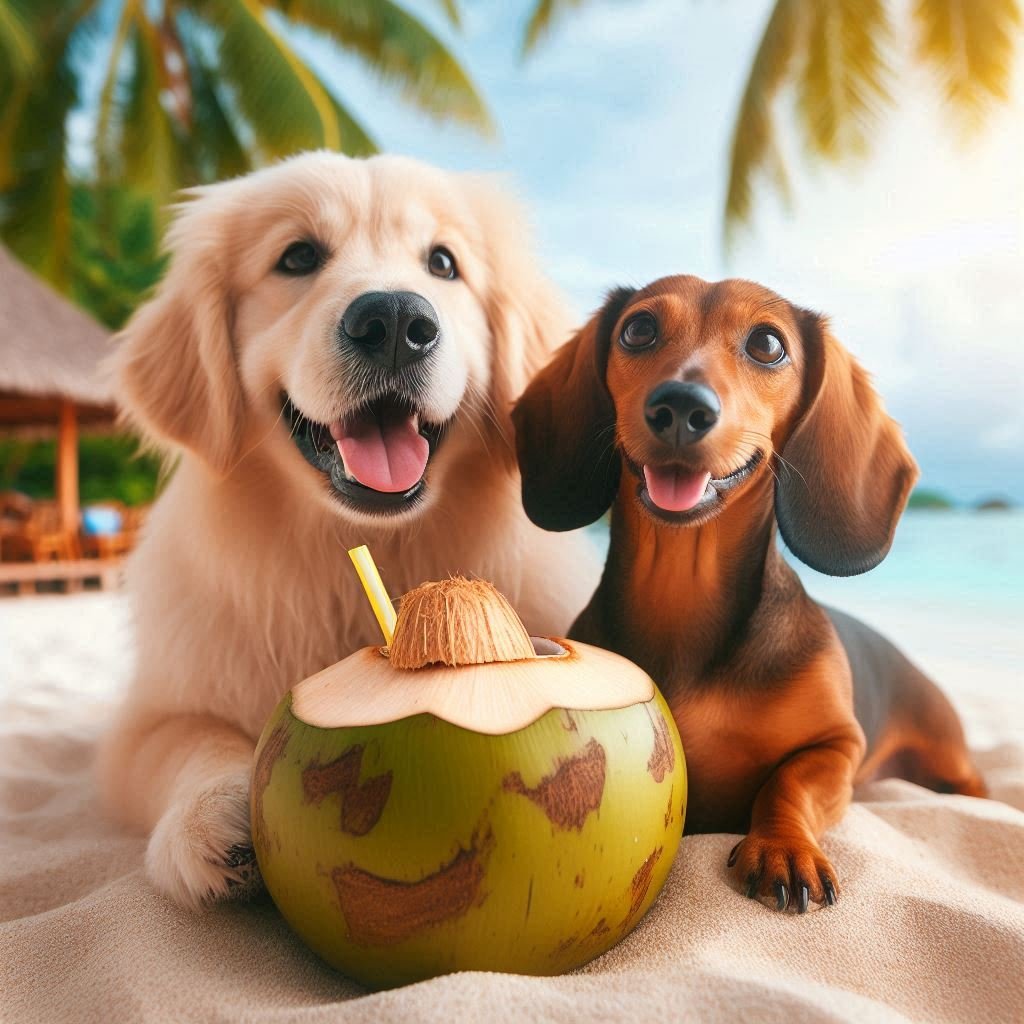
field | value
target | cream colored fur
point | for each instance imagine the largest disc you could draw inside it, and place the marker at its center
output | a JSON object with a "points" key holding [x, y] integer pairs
{"points": [[241, 584]]}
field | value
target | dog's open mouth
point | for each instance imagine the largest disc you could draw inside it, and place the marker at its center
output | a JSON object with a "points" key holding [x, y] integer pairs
{"points": [[680, 494], [375, 458]]}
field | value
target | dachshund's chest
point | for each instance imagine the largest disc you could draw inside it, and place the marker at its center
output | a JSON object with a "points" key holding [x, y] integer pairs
{"points": [[734, 741], [728, 759]]}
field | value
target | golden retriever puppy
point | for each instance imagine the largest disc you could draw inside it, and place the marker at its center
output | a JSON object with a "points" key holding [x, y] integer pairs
{"points": [[333, 353]]}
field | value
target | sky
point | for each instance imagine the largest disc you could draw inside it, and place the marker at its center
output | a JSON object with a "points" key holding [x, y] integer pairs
{"points": [[616, 136], [616, 133]]}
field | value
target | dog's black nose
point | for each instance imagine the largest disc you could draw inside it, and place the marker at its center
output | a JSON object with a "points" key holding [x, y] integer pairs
{"points": [[391, 329], [681, 413]]}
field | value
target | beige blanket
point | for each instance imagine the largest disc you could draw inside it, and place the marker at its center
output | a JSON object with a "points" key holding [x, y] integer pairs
{"points": [[930, 926]]}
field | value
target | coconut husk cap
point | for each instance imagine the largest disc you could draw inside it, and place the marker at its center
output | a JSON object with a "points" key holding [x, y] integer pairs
{"points": [[457, 622], [460, 652]]}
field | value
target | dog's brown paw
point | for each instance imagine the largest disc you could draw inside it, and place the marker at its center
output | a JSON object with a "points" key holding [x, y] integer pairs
{"points": [[786, 872]]}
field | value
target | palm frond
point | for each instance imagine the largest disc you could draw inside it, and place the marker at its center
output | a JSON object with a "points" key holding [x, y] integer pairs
{"points": [[283, 103], [753, 148], [117, 257], [17, 48], [150, 146], [970, 45], [216, 149], [35, 212], [355, 139], [136, 137], [107, 126], [402, 51], [16, 94], [843, 85], [542, 19], [49, 28], [452, 12]]}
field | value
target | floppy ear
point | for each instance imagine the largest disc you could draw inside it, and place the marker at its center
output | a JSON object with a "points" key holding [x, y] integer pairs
{"points": [[846, 471], [565, 429], [175, 367]]}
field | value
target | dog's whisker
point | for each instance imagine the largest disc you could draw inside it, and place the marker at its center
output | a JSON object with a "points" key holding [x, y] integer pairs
{"points": [[245, 454], [474, 411], [483, 403]]}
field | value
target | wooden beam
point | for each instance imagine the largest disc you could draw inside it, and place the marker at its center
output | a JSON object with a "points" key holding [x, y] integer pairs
{"points": [[67, 466], [18, 410], [107, 571]]}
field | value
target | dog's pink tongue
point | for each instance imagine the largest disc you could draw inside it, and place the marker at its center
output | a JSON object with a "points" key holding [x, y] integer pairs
{"points": [[385, 452], [672, 489]]}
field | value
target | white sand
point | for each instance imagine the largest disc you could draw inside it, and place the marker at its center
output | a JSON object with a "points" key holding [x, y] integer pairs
{"points": [[930, 926]]}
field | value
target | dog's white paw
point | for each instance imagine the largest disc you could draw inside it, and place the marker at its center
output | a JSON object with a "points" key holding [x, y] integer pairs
{"points": [[201, 849]]}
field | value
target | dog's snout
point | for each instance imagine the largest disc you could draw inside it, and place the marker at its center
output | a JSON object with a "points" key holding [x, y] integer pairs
{"points": [[391, 329], [681, 413]]}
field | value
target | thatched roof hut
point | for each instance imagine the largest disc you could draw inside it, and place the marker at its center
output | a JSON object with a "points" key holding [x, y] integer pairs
{"points": [[51, 376], [50, 351]]}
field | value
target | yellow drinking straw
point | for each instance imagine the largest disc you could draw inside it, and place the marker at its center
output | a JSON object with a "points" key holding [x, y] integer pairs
{"points": [[375, 592]]}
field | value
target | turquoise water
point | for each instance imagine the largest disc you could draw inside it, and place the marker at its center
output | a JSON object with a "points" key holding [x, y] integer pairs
{"points": [[971, 560]]}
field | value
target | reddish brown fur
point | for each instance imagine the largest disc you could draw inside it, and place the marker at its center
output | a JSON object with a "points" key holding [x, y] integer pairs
{"points": [[755, 672]]}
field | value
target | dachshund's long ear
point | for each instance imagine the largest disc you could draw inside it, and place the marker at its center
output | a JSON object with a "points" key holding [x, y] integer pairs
{"points": [[846, 471], [565, 429], [175, 362]]}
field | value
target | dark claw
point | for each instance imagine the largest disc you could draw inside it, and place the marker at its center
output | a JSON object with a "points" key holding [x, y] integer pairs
{"points": [[781, 896], [751, 886], [830, 892], [732, 855], [802, 900], [238, 855]]}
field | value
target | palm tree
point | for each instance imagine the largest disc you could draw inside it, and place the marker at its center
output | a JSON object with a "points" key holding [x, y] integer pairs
{"points": [[116, 257], [192, 90], [832, 57]]}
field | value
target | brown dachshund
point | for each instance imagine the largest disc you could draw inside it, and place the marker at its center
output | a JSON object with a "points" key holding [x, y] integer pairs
{"points": [[703, 414]]}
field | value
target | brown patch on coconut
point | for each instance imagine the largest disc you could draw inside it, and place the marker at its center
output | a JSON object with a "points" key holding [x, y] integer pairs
{"points": [[578, 881], [641, 883], [668, 809], [599, 929], [663, 757], [272, 752], [569, 793], [564, 946], [384, 911], [361, 803], [568, 722]]}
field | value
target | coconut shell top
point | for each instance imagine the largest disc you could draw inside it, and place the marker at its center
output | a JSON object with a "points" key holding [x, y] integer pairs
{"points": [[461, 653]]}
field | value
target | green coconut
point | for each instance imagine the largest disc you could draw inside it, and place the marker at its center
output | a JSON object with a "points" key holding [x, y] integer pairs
{"points": [[468, 799]]}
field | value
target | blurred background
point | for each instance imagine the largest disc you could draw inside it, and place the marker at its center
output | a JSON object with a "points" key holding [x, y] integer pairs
{"points": [[863, 157]]}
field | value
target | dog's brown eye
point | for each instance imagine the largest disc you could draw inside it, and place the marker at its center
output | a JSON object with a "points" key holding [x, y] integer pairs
{"points": [[640, 332], [300, 258], [764, 346], [442, 263]]}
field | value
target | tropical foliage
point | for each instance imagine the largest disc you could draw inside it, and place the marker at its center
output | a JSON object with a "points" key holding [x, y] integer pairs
{"points": [[115, 254], [926, 498], [109, 468], [834, 60], [192, 90]]}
